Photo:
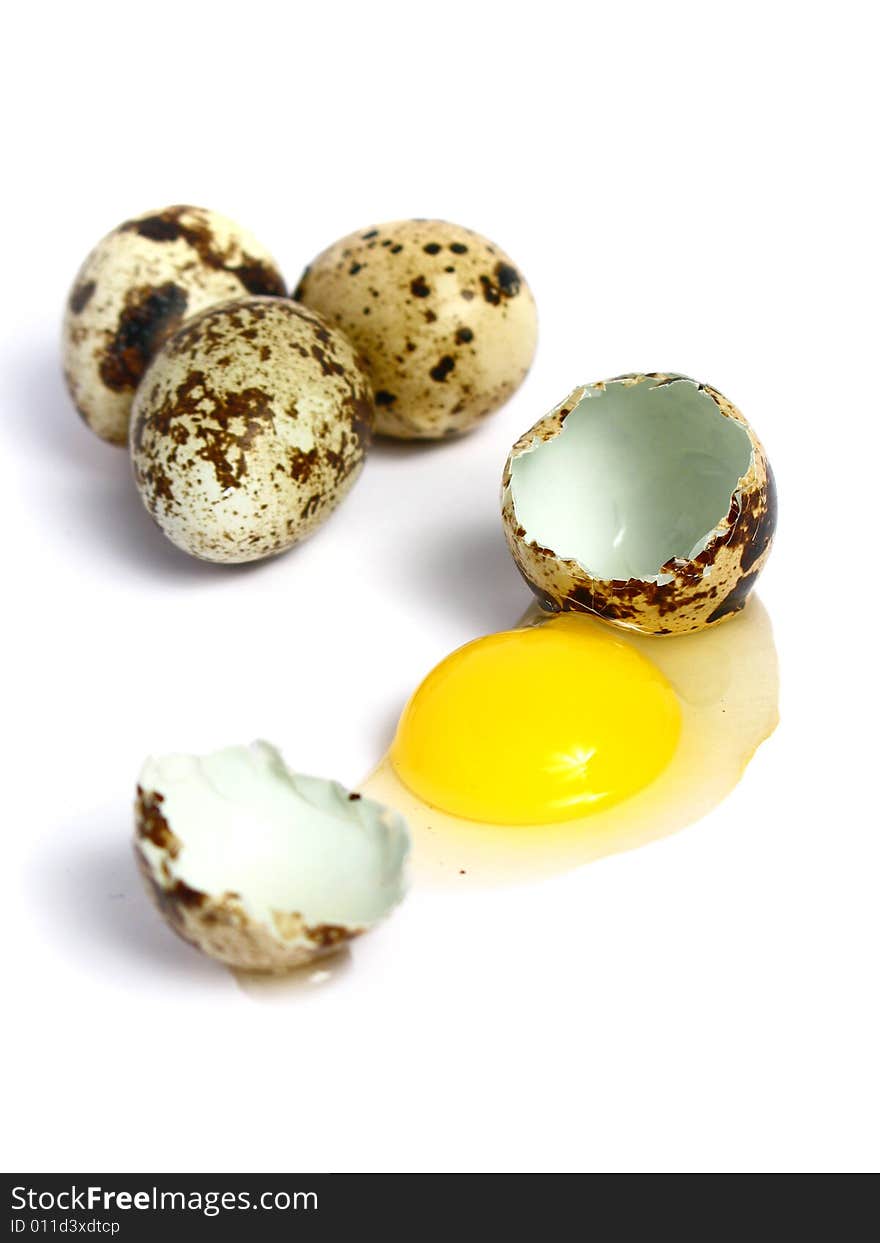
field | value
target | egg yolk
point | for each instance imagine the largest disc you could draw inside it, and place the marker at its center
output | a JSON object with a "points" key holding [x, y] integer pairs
{"points": [[537, 725]]}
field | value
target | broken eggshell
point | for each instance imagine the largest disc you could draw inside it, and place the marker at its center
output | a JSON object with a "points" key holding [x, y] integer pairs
{"points": [[259, 866], [138, 284], [647, 500]]}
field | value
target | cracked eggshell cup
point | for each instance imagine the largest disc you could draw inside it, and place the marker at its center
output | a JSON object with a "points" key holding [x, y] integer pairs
{"points": [[647, 500], [261, 867]]}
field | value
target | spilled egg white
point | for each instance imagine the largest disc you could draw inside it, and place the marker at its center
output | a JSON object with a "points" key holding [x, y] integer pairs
{"points": [[647, 500], [260, 867]]}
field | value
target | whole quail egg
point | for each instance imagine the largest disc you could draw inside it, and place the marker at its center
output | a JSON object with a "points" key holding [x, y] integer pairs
{"points": [[249, 427], [445, 321], [138, 284], [647, 500], [261, 867]]}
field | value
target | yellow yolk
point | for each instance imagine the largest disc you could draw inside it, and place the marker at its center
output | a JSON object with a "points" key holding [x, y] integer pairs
{"points": [[537, 726]]}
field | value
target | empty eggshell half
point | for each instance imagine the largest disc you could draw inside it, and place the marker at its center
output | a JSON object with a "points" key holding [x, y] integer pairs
{"points": [[647, 500], [445, 321], [139, 284], [261, 867]]}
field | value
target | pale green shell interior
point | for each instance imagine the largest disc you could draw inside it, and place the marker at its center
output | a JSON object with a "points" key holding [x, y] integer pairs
{"points": [[283, 842], [639, 474]]}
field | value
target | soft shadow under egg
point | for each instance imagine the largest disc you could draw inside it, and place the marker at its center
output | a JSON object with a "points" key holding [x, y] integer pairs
{"points": [[727, 682]]}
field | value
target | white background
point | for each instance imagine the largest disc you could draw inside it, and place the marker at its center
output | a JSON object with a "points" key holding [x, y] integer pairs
{"points": [[687, 187]]}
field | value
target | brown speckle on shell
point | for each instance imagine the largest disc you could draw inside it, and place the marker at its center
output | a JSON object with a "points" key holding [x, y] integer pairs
{"points": [[151, 823], [80, 296], [150, 315]]}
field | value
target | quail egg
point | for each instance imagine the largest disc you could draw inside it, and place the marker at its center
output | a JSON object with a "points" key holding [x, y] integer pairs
{"points": [[249, 427], [445, 320], [647, 500], [138, 284], [261, 867]]}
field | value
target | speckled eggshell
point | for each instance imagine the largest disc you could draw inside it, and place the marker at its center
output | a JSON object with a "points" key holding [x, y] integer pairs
{"points": [[446, 322], [698, 593], [249, 427], [136, 287], [255, 888]]}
